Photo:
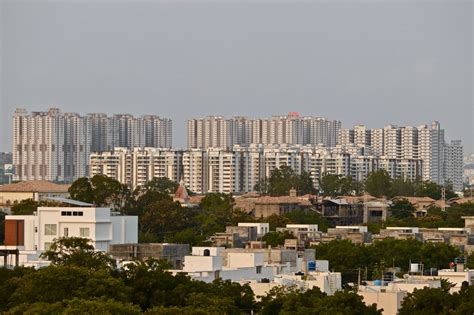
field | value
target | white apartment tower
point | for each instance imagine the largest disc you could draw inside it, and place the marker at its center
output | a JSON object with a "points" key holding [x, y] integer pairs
{"points": [[453, 159], [38, 145], [56, 146], [291, 129], [431, 151]]}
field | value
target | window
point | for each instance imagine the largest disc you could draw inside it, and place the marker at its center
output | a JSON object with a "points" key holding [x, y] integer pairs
{"points": [[84, 232], [66, 232], [50, 229], [259, 269], [47, 245]]}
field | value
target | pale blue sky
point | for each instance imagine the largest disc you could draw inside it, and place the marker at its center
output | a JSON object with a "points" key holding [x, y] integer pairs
{"points": [[371, 62]]}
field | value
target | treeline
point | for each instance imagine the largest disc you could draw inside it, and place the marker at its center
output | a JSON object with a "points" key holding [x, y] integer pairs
{"points": [[370, 260], [378, 184]]}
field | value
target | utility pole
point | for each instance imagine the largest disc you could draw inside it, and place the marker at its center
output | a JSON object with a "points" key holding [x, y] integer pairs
{"points": [[358, 279], [443, 199]]}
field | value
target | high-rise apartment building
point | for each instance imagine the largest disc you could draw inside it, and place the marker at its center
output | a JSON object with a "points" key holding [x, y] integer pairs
{"points": [[453, 159], [39, 145], [241, 168], [56, 146], [292, 129], [425, 143]]}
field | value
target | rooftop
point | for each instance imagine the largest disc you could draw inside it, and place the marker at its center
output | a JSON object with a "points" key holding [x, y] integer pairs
{"points": [[35, 186]]}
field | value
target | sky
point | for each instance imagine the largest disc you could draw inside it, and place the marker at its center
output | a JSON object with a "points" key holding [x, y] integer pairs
{"points": [[361, 62]]}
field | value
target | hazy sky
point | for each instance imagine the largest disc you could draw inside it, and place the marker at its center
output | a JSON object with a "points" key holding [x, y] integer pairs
{"points": [[371, 62]]}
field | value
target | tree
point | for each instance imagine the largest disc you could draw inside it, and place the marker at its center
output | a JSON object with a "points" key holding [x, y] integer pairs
{"points": [[81, 190], [313, 301], [77, 251], [275, 221], [28, 206], [162, 184], [275, 239], [262, 187], [427, 301], [402, 187], [335, 185], [57, 283], [378, 183], [78, 306], [216, 213], [308, 217], [282, 180], [429, 189], [402, 209], [101, 191]]}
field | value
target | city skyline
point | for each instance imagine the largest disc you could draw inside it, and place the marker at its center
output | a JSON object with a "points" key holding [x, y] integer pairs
{"points": [[356, 62], [176, 142]]}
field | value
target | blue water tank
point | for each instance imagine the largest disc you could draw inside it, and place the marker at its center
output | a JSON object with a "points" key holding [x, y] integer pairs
{"points": [[378, 282], [311, 265]]}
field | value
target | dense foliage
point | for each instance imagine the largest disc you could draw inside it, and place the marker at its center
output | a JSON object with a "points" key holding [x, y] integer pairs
{"points": [[372, 259], [439, 301], [282, 180], [76, 286], [380, 184]]}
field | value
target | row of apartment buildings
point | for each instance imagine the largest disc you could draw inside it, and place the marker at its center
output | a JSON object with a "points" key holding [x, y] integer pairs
{"points": [[292, 129], [442, 161], [240, 169], [56, 146]]}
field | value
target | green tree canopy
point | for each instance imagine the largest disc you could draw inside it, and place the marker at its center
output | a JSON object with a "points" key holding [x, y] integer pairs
{"points": [[378, 183], [275, 239], [335, 185], [282, 180], [402, 209], [101, 191], [77, 251]]}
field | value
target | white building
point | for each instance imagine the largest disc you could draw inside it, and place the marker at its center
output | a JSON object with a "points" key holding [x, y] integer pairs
{"points": [[209, 263], [389, 297], [217, 131], [262, 228], [453, 169], [32, 234], [55, 146]]}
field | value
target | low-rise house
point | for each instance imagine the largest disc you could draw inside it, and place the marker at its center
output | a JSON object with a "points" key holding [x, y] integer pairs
{"points": [[355, 234], [36, 190], [340, 211], [400, 233], [235, 236], [375, 211], [262, 228], [304, 233], [265, 206]]}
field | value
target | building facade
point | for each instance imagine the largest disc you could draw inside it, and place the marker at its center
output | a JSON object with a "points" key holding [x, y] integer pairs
{"points": [[440, 161], [239, 169], [56, 146], [292, 129]]}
